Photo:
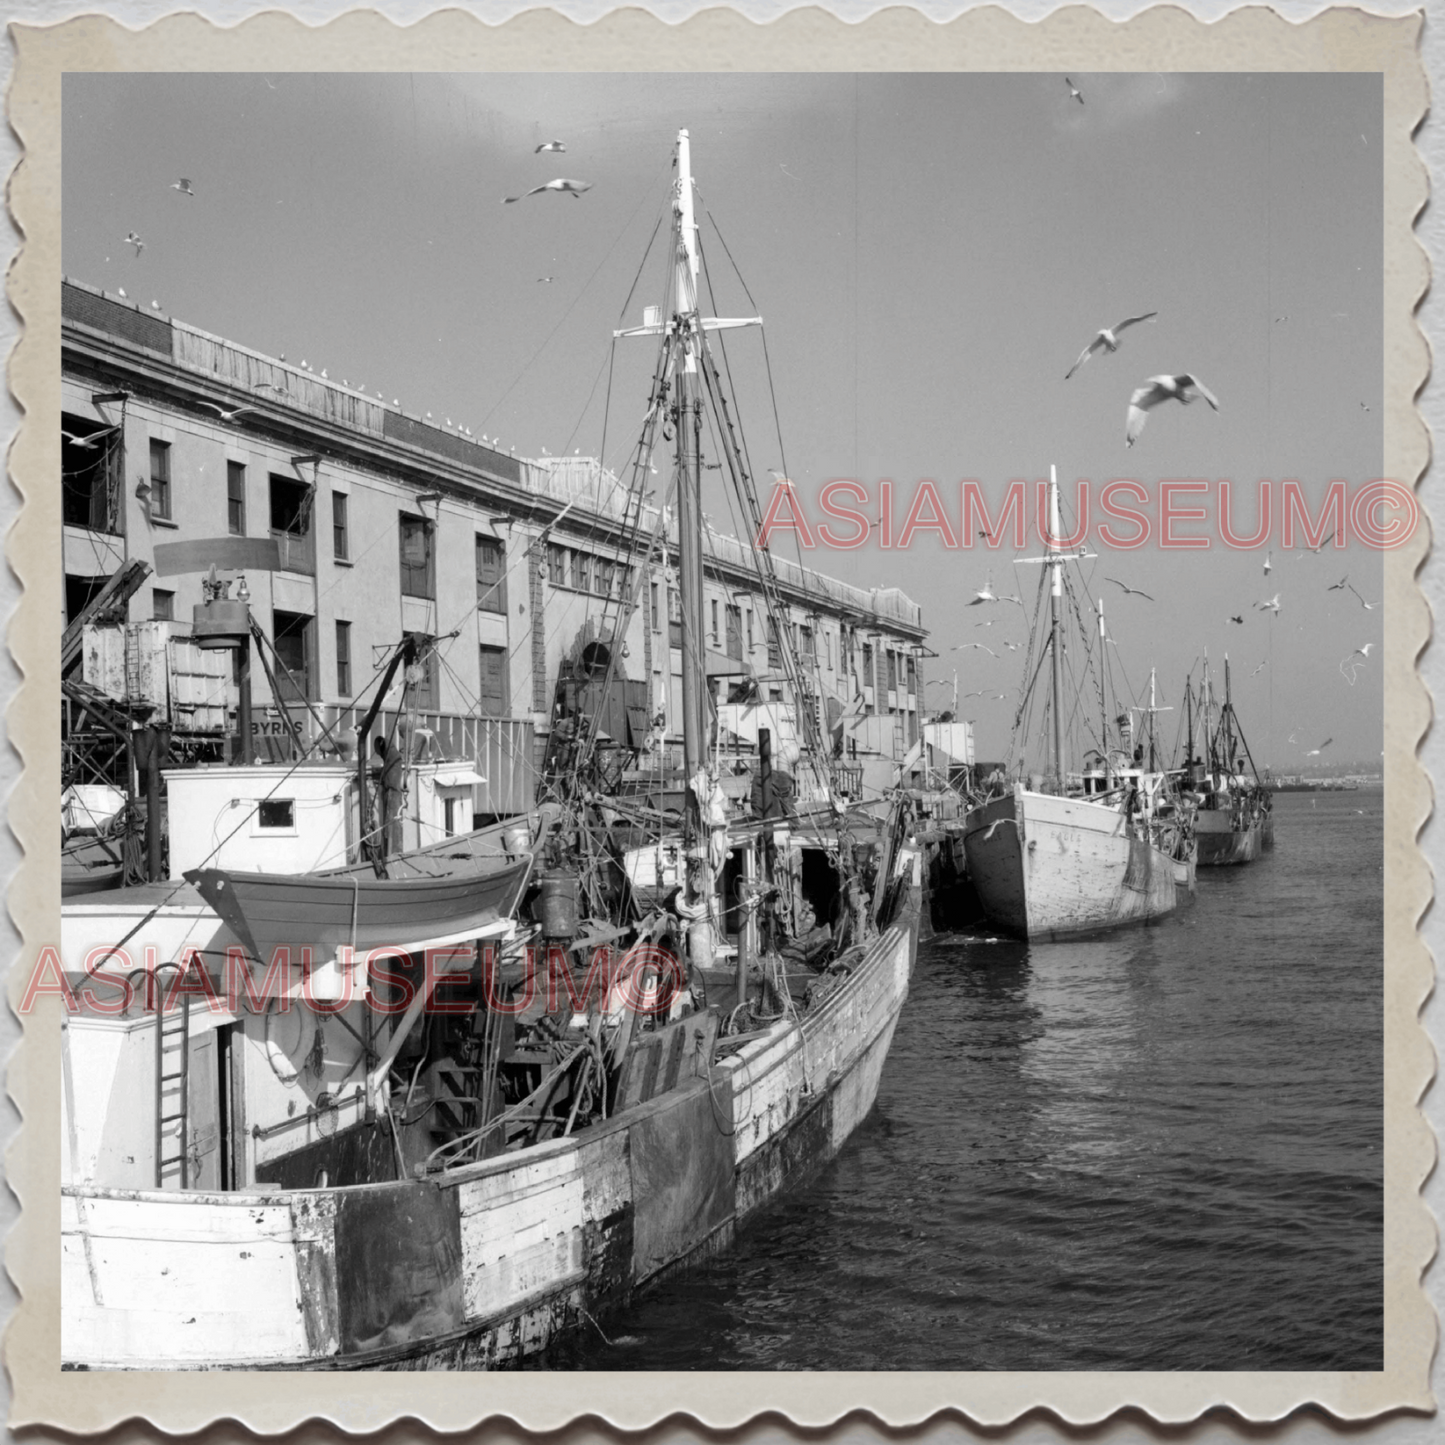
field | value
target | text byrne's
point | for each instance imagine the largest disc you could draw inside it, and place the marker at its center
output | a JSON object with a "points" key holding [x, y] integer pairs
{"points": [[644, 980], [1380, 514]]}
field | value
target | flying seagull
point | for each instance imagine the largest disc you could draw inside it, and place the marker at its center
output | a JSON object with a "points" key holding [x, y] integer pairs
{"points": [[1315, 752], [1368, 606], [561, 185], [183, 186], [227, 416], [1109, 338], [1131, 591], [1260, 668], [964, 646], [549, 145], [1349, 668], [135, 241], [1321, 547], [1272, 605], [984, 595], [90, 442], [1340, 585], [1073, 91], [1268, 564], [1239, 619], [1182, 388]]}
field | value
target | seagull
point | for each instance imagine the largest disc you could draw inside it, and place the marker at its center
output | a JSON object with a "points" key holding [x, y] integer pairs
{"points": [[984, 595], [1315, 752], [1268, 565], [155, 305], [1368, 606], [1108, 337], [89, 442], [1322, 546], [964, 646], [1238, 619], [1260, 668], [1131, 591], [1272, 605], [183, 186], [541, 279], [1073, 91], [549, 145], [572, 188], [323, 374], [1182, 388], [1340, 585], [134, 240], [120, 290], [227, 416], [1353, 666]]}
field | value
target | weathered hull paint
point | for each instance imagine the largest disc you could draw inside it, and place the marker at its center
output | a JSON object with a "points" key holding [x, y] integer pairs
{"points": [[1221, 846], [498, 1257], [1048, 867]]}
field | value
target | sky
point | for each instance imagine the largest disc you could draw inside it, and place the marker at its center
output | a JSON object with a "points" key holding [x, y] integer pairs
{"points": [[930, 253]]}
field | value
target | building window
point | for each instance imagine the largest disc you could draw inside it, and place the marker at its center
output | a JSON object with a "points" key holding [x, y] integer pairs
{"points": [[160, 479], [291, 503], [870, 679], [422, 677], [674, 617], [582, 571], [807, 644], [912, 677], [557, 565], [828, 649], [491, 576], [163, 605], [90, 459], [343, 658], [716, 638], [340, 528], [656, 608], [735, 632], [750, 631], [292, 635], [892, 671], [236, 498], [418, 577], [775, 650], [493, 695]]}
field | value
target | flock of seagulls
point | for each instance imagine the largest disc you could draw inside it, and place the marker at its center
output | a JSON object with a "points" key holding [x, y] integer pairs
{"points": [[562, 185]]}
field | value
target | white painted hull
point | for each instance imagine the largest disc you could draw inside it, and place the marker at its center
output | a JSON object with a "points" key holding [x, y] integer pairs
{"points": [[488, 1262], [1049, 867]]}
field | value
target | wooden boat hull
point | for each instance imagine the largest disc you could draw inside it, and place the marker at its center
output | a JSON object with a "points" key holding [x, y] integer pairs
{"points": [[1048, 867], [1221, 845], [486, 1263], [321, 912]]}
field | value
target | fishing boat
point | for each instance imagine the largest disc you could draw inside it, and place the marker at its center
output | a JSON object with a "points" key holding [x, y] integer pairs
{"points": [[1234, 822], [1058, 855], [445, 1153]]}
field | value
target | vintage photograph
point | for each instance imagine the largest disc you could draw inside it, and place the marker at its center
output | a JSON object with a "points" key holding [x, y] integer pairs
{"points": [[722, 721]]}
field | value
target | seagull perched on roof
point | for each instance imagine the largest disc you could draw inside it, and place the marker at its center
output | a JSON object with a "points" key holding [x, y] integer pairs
{"points": [[561, 185], [183, 186], [1073, 90], [1182, 388], [134, 240], [549, 145], [1130, 591], [227, 416], [1107, 338]]}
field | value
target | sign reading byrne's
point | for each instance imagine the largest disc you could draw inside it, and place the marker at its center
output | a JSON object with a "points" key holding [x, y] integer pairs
{"points": [[1124, 514]]}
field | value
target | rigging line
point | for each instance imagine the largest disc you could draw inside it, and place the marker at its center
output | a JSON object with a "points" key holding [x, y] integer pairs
{"points": [[486, 420]]}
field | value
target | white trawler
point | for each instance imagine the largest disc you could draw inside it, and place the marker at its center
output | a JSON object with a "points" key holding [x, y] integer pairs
{"points": [[410, 1156], [1064, 854]]}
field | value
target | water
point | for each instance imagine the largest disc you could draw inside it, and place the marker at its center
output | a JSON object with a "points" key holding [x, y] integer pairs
{"points": [[1156, 1150]]}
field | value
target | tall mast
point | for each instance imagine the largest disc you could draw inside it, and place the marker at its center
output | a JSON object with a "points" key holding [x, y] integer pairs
{"points": [[1103, 686], [1189, 721], [1056, 592], [688, 422]]}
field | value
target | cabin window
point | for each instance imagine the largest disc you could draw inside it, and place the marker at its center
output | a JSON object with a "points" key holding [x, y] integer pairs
{"points": [[716, 634], [340, 527], [276, 813], [491, 576], [163, 605], [750, 631], [90, 473], [236, 498], [418, 576], [160, 478]]}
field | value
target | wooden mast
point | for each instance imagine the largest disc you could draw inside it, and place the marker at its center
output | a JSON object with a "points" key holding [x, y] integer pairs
{"points": [[1056, 592]]}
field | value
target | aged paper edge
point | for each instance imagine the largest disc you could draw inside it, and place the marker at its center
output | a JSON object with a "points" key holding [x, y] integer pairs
{"points": [[1163, 38]]}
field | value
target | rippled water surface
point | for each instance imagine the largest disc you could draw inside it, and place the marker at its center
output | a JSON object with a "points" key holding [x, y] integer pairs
{"points": [[1156, 1150]]}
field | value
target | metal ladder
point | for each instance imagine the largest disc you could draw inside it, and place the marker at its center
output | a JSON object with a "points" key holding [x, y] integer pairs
{"points": [[173, 1046]]}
